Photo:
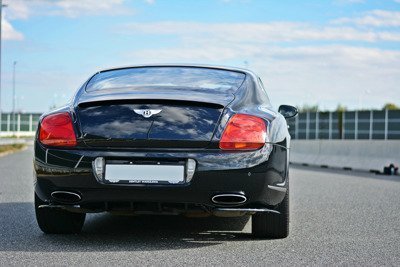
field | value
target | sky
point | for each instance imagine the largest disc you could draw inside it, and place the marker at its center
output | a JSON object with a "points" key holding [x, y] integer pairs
{"points": [[310, 52]]}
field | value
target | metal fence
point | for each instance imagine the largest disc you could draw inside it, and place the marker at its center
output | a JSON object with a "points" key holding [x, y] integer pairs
{"points": [[373, 124], [18, 124]]}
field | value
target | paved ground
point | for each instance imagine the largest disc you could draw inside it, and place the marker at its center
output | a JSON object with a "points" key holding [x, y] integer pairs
{"points": [[338, 218]]}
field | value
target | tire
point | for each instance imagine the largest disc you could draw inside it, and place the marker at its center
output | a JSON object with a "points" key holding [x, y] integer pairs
{"points": [[272, 225], [57, 221]]}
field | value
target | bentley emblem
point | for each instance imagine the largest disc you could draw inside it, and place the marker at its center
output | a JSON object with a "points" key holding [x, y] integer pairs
{"points": [[147, 113]]}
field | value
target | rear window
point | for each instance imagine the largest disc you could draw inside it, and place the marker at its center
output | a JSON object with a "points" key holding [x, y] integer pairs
{"points": [[181, 77]]}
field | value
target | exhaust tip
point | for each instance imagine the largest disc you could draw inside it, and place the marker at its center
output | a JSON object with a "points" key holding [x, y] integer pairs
{"points": [[66, 196], [229, 199]]}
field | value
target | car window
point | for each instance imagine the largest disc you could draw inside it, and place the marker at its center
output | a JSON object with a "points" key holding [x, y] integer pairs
{"points": [[182, 77]]}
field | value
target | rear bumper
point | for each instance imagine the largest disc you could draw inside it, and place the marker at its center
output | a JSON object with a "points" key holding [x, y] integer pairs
{"points": [[251, 174]]}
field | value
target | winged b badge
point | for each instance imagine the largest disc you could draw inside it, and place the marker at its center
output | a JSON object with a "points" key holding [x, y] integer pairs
{"points": [[147, 113]]}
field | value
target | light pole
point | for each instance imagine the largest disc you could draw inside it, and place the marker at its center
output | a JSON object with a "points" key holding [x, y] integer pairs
{"points": [[1, 18], [13, 102]]}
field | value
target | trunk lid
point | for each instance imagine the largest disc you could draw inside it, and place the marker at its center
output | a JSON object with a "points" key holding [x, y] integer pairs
{"points": [[178, 124]]}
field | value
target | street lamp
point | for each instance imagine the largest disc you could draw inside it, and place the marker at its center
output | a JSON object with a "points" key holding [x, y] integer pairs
{"points": [[13, 102], [1, 18]]}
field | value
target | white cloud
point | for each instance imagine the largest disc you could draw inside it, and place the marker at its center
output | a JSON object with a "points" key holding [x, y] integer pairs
{"points": [[374, 18], [8, 31], [23, 9], [260, 32], [296, 73], [17, 9], [324, 75], [89, 7], [349, 2], [299, 62]]}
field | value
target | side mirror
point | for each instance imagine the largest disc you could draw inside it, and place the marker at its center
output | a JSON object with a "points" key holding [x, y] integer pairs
{"points": [[288, 111]]}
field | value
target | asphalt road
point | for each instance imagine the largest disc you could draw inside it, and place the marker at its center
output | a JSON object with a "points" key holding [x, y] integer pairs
{"points": [[337, 218]]}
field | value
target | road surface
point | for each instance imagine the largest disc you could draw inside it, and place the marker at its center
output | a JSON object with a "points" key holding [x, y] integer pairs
{"points": [[337, 218]]}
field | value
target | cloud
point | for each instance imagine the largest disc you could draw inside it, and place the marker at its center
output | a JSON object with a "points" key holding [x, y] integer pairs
{"points": [[349, 2], [298, 61], [324, 75], [23, 9], [342, 56], [374, 18], [260, 32], [9, 33], [17, 9], [90, 7]]}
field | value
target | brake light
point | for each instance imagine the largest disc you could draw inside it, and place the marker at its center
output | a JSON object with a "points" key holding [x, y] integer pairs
{"points": [[57, 130], [243, 132]]}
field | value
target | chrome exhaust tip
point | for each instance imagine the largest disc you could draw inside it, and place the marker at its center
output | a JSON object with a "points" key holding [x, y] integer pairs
{"points": [[66, 196], [229, 199]]}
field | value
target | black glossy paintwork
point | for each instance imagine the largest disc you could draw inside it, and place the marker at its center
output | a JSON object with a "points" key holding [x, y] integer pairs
{"points": [[117, 124], [217, 171]]}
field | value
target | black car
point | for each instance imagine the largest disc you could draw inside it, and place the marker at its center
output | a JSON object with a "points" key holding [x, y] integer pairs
{"points": [[165, 139]]}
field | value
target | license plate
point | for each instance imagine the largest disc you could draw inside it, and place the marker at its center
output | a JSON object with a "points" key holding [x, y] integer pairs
{"points": [[144, 174]]}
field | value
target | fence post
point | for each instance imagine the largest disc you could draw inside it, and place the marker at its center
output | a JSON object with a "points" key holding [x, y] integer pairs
{"points": [[316, 125], [371, 123], [296, 130], [330, 125], [356, 125], [386, 123], [18, 123], [8, 122], [307, 124], [30, 122], [344, 125]]}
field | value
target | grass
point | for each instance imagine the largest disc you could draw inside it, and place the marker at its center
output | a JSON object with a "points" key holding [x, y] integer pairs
{"points": [[11, 148], [20, 136]]}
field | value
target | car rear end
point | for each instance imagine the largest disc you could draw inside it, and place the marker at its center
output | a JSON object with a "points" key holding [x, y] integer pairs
{"points": [[190, 157]]}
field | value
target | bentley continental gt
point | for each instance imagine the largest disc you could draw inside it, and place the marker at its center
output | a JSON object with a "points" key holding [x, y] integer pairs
{"points": [[165, 139]]}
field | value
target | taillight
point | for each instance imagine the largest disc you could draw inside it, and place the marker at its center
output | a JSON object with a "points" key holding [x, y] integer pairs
{"points": [[57, 130], [243, 132]]}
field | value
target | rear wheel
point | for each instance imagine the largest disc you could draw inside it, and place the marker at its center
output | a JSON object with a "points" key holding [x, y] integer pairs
{"points": [[272, 225], [57, 221]]}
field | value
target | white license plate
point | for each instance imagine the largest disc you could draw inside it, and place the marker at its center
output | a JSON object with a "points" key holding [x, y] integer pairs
{"points": [[144, 174]]}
